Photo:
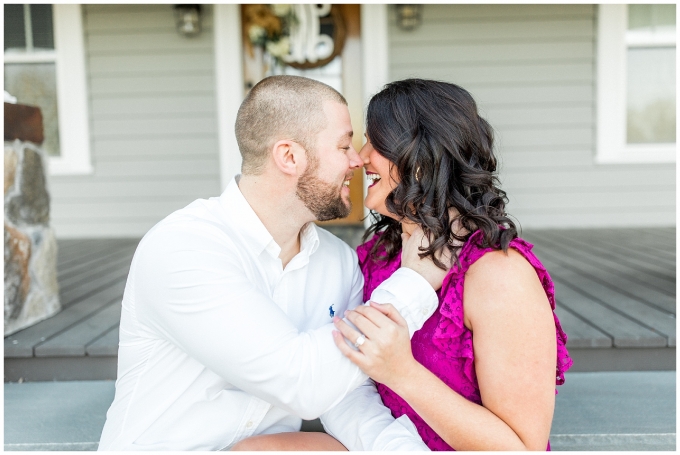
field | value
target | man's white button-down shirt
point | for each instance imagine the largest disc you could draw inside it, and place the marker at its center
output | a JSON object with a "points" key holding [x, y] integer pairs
{"points": [[218, 342]]}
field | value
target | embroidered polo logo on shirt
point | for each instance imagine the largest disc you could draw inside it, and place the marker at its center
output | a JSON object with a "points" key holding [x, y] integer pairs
{"points": [[331, 310]]}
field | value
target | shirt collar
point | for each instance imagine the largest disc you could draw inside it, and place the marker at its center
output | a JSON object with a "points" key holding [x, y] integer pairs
{"points": [[247, 222], [251, 228], [309, 238]]}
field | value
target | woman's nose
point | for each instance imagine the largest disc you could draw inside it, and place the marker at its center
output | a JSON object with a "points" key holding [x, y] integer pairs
{"points": [[363, 154]]}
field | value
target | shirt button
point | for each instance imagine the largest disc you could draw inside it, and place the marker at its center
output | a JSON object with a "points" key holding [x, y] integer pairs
{"points": [[249, 424], [424, 311]]}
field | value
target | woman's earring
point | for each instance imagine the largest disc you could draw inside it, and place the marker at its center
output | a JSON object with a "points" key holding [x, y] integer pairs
{"points": [[417, 172]]}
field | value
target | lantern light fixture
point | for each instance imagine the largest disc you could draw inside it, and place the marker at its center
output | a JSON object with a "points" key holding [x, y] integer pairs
{"points": [[409, 16], [188, 19]]}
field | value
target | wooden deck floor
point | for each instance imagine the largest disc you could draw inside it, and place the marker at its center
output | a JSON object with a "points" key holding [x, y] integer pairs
{"points": [[615, 294]]}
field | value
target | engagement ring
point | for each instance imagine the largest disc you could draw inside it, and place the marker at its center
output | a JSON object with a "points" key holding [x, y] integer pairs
{"points": [[361, 340]]}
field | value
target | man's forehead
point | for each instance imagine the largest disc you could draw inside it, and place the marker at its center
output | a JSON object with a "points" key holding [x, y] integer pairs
{"points": [[339, 122]]}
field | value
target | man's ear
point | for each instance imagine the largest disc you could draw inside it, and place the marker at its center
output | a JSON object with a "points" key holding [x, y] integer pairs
{"points": [[288, 156]]}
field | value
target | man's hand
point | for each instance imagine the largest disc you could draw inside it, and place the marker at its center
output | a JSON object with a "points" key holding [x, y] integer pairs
{"points": [[425, 266]]}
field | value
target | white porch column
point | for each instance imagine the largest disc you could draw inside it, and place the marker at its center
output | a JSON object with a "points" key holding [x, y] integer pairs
{"points": [[375, 48], [229, 86], [374, 56]]}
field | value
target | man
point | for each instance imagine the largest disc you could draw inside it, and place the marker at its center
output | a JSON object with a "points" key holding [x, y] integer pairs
{"points": [[227, 313]]}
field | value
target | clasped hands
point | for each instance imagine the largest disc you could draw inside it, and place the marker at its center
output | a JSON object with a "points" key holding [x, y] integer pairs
{"points": [[387, 344]]}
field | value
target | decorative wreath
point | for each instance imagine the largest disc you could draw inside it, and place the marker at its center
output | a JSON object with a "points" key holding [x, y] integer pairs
{"points": [[269, 27]]}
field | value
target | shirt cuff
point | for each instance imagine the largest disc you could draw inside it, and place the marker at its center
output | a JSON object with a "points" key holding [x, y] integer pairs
{"points": [[401, 435], [410, 294]]}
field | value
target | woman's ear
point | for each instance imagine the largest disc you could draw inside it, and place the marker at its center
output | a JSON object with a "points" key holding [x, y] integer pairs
{"points": [[286, 155]]}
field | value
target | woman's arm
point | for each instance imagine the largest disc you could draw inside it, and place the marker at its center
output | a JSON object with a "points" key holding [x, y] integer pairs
{"points": [[515, 354]]}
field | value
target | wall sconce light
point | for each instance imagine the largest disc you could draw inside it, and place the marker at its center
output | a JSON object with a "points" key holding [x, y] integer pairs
{"points": [[409, 16], [188, 19]]}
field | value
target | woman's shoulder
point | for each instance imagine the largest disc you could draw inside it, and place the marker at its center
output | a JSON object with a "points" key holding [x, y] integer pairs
{"points": [[499, 265], [512, 279], [477, 258], [501, 273]]}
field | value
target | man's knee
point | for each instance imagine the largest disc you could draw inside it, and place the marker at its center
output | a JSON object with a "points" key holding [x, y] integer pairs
{"points": [[255, 443]]}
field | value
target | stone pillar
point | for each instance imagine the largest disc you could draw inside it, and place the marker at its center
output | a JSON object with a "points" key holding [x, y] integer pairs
{"points": [[31, 289]]}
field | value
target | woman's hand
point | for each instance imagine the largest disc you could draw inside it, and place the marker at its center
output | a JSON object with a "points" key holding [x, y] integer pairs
{"points": [[385, 355]]}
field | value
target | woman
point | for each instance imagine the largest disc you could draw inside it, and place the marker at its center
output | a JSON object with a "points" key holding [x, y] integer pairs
{"points": [[481, 373]]}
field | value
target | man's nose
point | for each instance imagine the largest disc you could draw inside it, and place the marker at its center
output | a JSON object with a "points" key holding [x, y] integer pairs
{"points": [[355, 161]]}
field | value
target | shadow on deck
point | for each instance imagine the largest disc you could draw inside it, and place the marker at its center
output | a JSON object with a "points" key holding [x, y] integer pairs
{"points": [[615, 293]]}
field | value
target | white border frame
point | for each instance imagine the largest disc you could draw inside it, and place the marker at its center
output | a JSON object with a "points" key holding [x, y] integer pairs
{"points": [[229, 86], [611, 144]]}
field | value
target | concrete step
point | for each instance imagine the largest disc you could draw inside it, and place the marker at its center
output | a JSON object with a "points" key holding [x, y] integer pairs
{"points": [[594, 411]]}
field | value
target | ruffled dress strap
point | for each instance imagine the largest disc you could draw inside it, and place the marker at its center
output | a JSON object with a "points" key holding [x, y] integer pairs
{"points": [[453, 338], [375, 272]]}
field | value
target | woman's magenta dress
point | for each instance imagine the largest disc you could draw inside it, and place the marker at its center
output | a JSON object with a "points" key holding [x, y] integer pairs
{"points": [[444, 344]]}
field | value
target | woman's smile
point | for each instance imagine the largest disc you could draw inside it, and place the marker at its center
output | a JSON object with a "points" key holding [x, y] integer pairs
{"points": [[377, 169], [372, 177]]}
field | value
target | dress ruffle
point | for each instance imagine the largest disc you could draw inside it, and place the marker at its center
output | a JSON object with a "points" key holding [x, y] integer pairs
{"points": [[375, 272], [455, 340]]}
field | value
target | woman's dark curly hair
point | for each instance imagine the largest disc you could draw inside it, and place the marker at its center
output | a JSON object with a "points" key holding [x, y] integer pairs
{"points": [[443, 153]]}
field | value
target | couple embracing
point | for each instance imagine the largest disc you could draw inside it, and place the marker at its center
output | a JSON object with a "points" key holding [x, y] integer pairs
{"points": [[241, 317]]}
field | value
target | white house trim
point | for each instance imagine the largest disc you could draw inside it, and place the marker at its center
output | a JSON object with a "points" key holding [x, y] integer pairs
{"points": [[229, 86], [21, 56], [72, 99], [374, 49], [611, 95], [374, 58]]}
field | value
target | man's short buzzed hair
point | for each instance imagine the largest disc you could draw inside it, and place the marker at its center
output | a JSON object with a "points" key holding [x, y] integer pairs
{"points": [[280, 107]]}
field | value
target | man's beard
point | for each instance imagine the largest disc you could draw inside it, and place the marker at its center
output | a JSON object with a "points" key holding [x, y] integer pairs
{"points": [[323, 199]]}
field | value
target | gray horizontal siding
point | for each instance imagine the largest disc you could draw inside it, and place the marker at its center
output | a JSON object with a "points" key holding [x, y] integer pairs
{"points": [[532, 71], [475, 52], [182, 188], [151, 65], [176, 148], [152, 124], [515, 74], [504, 13]]}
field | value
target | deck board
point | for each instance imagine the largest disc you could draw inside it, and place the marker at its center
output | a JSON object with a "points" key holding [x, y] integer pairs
{"points": [[628, 271], [582, 274], [615, 292], [643, 316], [83, 290], [624, 331], [72, 342], [662, 251], [22, 343], [628, 257], [662, 322], [581, 334], [628, 240], [617, 282], [75, 253], [106, 345], [101, 269], [95, 262]]}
